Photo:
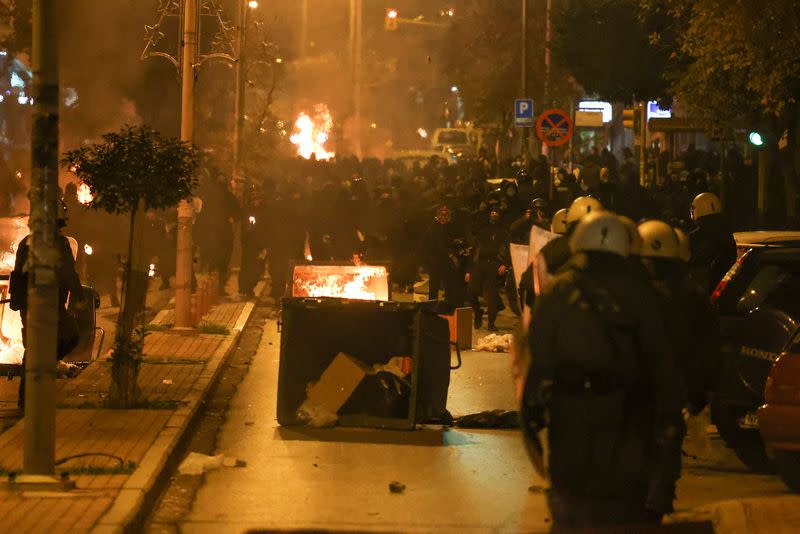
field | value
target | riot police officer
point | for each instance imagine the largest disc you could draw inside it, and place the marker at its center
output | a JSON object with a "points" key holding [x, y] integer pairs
{"points": [[691, 327], [557, 252], [601, 380], [712, 244]]}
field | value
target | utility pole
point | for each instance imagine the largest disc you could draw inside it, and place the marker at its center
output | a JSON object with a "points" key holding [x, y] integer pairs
{"points": [[241, 83], [356, 19], [548, 40], [643, 143], [42, 314], [183, 272], [303, 29], [525, 142]]}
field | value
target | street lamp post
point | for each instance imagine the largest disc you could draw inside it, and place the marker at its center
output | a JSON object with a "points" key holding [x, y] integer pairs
{"points": [[42, 314], [241, 82], [183, 271]]}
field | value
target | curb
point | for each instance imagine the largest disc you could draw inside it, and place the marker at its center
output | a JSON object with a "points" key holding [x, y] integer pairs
{"points": [[126, 512]]}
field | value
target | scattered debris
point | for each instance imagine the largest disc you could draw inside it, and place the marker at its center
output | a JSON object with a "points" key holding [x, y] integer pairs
{"points": [[230, 461], [167, 381], [397, 487], [536, 489], [490, 419], [315, 465], [249, 423], [197, 464], [495, 343], [66, 369]]}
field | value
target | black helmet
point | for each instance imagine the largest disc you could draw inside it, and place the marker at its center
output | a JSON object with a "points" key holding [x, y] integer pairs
{"points": [[523, 176], [538, 204], [495, 196]]}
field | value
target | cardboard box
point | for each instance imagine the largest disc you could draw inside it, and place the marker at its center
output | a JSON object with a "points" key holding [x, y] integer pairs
{"points": [[334, 387]]}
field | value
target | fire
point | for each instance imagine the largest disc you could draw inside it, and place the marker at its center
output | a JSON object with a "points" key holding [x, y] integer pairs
{"points": [[312, 132], [365, 282], [85, 196]]}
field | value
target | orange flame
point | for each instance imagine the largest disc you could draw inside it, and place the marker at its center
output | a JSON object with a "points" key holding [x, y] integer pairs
{"points": [[85, 196], [312, 132], [341, 281]]}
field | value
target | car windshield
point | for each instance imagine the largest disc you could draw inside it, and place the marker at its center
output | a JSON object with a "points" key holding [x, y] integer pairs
{"points": [[453, 137]]}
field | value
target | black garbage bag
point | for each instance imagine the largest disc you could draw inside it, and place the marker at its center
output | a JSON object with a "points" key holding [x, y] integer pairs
{"points": [[380, 395], [491, 419]]}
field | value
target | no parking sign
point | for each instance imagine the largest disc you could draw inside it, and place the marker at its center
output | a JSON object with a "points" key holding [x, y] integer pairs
{"points": [[554, 127]]}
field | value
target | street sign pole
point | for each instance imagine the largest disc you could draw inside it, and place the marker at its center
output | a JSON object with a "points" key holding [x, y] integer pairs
{"points": [[643, 144]]}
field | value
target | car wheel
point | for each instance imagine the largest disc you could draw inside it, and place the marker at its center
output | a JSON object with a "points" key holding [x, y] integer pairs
{"points": [[788, 463], [746, 444]]}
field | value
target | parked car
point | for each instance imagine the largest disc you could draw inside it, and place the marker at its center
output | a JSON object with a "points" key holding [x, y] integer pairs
{"points": [[758, 302], [779, 417]]}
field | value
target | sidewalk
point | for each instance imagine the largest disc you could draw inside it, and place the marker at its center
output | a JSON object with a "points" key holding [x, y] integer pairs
{"points": [[116, 456]]}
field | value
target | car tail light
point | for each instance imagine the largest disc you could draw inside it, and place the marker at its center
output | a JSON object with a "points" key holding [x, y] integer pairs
{"points": [[730, 275], [783, 384]]}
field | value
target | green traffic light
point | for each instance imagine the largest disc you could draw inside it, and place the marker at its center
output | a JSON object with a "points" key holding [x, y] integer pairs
{"points": [[756, 139]]}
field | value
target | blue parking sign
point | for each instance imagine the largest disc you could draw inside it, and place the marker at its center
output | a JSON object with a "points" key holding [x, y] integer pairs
{"points": [[523, 113]]}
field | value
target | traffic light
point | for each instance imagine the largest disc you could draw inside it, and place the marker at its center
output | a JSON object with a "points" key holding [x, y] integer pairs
{"points": [[756, 139], [631, 118], [391, 19]]}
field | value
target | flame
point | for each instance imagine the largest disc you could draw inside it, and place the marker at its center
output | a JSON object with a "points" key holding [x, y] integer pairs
{"points": [[312, 132], [11, 348], [340, 281], [85, 196]]}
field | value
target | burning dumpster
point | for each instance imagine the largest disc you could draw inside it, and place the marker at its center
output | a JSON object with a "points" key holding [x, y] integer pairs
{"points": [[360, 282]]}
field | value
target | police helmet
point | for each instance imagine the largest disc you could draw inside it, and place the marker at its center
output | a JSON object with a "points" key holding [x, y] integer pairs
{"points": [[559, 223], [705, 204], [601, 232], [582, 206], [633, 233], [685, 248], [659, 240]]}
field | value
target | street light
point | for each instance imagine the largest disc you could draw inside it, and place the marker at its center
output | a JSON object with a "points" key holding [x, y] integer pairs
{"points": [[454, 89], [252, 4]]}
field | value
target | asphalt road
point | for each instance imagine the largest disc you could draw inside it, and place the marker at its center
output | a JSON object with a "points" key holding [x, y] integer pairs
{"points": [[456, 480]]}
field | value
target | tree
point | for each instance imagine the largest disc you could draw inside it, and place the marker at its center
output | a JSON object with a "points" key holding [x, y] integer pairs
{"points": [[130, 172], [606, 45], [736, 63]]}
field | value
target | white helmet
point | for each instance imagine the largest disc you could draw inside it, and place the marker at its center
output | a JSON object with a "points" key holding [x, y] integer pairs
{"points": [[633, 234], [582, 206], [659, 240], [559, 223], [601, 232], [705, 204], [685, 248]]}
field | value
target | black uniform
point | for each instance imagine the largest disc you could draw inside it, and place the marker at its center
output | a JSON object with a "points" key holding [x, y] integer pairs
{"points": [[491, 252], [692, 329], [68, 284], [602, 369], [713, 251], [446, 253], [255, 229]]}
